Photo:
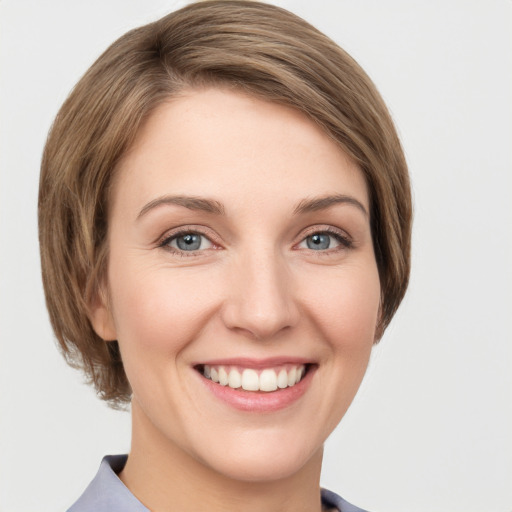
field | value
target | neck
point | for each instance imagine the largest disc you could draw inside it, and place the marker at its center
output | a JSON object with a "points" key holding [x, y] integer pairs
{"points": [[165, 478]]}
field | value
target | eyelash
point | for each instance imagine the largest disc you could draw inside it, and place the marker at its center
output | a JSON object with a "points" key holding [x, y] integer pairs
{"points": [[344, 241]]}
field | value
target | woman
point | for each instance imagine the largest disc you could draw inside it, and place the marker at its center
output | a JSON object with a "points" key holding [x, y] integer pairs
{"points": [[225, 223]]}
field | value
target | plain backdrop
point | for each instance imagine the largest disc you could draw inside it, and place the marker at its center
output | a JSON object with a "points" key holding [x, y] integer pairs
{"points": [[431, 428]]}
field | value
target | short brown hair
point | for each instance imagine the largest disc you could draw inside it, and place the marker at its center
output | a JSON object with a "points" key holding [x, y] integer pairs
{"points": [[258, 48]]}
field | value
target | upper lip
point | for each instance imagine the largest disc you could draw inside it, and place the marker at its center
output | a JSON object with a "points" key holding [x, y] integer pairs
{"points": [[256, 363]]}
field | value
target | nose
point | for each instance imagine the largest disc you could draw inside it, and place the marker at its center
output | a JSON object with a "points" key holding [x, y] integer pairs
{"points": [[260, 301]]}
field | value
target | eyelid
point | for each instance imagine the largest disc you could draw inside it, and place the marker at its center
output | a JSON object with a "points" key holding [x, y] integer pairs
{"points": [[323, 228]]}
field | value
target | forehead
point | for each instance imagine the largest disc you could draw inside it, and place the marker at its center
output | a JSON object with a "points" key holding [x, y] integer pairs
{"points": [[227, 144]]}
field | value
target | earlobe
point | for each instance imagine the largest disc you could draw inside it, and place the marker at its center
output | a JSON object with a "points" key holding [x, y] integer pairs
{"points": [[101, 317]]}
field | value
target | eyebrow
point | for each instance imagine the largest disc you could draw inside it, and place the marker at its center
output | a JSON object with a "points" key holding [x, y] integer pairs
{"points": [[190, 202], [324, 202], [216, 208]]}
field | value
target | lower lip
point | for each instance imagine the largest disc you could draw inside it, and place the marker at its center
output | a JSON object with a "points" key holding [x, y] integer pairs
{"points": [[260, 401]]}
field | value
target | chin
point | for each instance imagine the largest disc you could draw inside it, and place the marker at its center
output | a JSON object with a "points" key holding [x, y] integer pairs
{"points": [[266, 468], [264, 460]]}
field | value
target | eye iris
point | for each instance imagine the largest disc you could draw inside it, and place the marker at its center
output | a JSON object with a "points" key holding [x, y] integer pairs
{"points": [[189, 242], [318, 241]]}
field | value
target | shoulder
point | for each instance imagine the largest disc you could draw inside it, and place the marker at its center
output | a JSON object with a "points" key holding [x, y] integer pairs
{"points": [[106, 492], [331, 500]]}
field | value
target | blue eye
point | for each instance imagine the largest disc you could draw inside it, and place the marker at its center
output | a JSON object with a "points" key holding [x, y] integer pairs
{"points": [[318, 241], [189, 242], [322, 241]]}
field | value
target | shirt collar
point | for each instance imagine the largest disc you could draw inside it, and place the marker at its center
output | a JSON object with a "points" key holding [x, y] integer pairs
{"points": [[106, 493]]}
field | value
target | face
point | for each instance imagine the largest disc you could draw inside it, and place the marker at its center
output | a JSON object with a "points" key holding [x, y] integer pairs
{"points": [[242, 283]]}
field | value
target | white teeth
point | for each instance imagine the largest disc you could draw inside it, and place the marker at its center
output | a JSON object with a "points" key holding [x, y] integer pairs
{"points": [[223, 376], [292, 376], [235, 379], [282, 379], [268, 380], [250, 380]]}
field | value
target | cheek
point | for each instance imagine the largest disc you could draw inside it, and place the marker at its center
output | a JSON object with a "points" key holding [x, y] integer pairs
{"points": [[157, 311], [345, 305]]}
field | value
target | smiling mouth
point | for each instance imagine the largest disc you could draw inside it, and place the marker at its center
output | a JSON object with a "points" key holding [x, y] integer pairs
{"points": [[250, 379]]}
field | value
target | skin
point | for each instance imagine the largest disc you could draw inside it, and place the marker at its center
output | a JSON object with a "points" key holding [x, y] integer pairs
{"points": [[254, 289]]}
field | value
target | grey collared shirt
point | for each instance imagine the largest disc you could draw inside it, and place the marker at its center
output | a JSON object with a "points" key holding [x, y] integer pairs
{"points": [[106, 493]]}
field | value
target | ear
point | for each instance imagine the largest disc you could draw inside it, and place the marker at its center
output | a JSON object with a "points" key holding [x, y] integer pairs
{"points": [[100, 316]]}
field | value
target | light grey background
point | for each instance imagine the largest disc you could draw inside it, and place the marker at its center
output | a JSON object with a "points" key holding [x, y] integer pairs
{"points": [[431, 429]]}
